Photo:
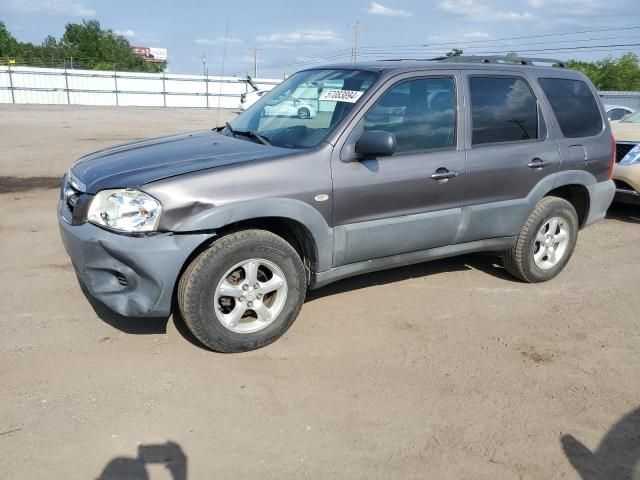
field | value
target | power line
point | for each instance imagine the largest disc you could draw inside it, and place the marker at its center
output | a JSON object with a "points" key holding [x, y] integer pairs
{"points": [[339, 54], [507, 45], [569, 49], [511, 38]]}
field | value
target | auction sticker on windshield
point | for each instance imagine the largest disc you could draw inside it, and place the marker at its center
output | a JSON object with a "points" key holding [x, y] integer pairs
{"points": [[350, 96]]}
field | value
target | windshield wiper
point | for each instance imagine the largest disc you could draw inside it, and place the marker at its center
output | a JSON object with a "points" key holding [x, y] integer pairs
{"points": [[261, 138]]}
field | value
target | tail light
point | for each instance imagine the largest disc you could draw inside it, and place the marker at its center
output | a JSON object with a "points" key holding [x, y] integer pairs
{"points": [[613, 157]]}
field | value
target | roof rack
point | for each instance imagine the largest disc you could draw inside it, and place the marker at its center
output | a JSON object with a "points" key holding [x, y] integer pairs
{"points": [[486, 59]]}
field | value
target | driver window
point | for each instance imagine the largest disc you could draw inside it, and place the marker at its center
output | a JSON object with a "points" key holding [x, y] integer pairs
{"points": [[421, 114]]}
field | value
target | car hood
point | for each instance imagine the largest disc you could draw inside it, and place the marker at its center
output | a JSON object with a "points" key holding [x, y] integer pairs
{"points": [[133, 164], [626, 131]]}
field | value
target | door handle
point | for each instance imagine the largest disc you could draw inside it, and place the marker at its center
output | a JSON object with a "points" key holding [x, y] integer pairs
{"points": [[538, 163], [443, 174]]}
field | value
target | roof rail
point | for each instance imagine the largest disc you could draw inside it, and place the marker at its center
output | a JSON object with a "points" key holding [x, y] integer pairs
{"points": [[484, 59], [504, 59]]}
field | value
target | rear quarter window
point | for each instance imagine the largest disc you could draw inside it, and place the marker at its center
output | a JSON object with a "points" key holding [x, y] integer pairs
{"points": [[574, 106]]}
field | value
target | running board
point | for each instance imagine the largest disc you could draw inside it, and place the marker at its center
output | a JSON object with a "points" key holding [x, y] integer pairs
{"points": [[320, 279]]}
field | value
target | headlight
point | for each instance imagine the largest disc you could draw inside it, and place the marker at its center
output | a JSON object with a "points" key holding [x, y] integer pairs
{"points": [[632, 156], [125, 210]]}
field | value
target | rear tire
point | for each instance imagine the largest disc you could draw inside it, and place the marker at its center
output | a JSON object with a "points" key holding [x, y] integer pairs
{"points": [[243, 292], [545, 243]]}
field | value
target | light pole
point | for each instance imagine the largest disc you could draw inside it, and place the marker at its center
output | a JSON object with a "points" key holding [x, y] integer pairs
{"points": [[357, 27]]}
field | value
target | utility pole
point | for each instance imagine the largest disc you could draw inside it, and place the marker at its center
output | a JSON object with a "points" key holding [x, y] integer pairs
{"points": [[204, 65], [255, 62], [357, 27]]}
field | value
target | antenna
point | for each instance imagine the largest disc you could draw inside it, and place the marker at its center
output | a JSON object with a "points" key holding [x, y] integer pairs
{"points": [[224, 57], [357, 27]]}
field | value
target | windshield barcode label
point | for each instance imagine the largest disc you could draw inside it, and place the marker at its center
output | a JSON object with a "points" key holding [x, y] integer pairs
{"points": [[350, 96]]}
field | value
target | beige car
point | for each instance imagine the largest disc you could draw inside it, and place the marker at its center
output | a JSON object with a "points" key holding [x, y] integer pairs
{"points": [[626, 172]]}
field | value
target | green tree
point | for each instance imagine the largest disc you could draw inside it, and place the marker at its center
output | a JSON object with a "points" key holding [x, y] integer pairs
{"points": [[8, 44], [512, 57], [610, 73], [456, 52], [85, 44]]}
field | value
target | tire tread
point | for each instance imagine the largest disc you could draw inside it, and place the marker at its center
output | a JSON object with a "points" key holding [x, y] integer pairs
{"points": [[188, 290]]}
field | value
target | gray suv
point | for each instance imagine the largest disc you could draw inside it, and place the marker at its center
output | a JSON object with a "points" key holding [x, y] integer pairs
{"points": [[404, 162]]}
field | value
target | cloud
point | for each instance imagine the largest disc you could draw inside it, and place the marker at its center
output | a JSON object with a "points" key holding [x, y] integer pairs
{"points": [[379, 9], [476, 10], [67, 8], [513, 15], [476, 35], [302, 37], [216, 41], [125, 33], [579, 7]]}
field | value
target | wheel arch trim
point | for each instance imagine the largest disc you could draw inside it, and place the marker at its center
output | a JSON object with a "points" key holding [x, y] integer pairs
{"points": [[219, 217]]}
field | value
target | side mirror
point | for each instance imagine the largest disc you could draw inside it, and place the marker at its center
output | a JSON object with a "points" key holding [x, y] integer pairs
{"points": [[376, 143]]}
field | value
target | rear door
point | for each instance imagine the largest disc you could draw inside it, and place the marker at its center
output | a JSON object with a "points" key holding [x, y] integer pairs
{"points": [[409, 201], [509, 151], [583, 135]]}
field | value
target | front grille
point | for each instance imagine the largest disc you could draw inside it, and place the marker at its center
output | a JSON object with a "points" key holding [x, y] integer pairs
{"points": [[71, 195], [622, 149], [73, 201]]}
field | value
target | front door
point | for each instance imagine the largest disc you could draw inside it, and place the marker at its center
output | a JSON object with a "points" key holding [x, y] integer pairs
{"points": [[409, 201]]}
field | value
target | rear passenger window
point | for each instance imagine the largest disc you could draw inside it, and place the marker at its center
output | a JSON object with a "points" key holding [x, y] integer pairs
{"points": [[574, 106], [503, 109]]}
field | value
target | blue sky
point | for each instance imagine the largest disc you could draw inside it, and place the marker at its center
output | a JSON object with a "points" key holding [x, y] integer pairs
{"points": [[290, 35]]}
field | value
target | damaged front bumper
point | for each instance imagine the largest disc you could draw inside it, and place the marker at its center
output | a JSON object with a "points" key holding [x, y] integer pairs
{"points": [[134, 276]]}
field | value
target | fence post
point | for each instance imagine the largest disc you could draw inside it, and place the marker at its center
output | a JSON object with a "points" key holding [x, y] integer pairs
{"points": [[115, 79], [66, 82], [164, 90], [13, 97], [206, 85]]}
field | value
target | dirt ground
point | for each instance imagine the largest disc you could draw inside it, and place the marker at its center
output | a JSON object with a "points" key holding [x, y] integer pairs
{"points": [[445, 370]]}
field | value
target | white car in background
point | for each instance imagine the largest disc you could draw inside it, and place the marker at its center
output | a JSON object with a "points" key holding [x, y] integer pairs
{"points": [[615, 113], [291, 107]]}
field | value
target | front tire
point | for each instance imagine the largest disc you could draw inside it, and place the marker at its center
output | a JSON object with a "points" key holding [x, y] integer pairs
{"points": [[243, 292], [545, 243], [304, 113]]}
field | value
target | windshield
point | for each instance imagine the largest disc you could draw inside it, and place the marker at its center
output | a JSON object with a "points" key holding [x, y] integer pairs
{"points": [[633, 118], [302, 110]]}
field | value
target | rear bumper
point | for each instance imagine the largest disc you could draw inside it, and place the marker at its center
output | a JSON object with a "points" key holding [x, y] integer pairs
{"points": [[627, 196], [600, 197], [628, 183], [134, 276]]}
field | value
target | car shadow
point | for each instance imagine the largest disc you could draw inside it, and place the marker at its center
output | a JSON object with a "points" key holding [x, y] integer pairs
{"points": [[489, 264], [135, 326], [616, 458], [168, 454], [624, 213]]}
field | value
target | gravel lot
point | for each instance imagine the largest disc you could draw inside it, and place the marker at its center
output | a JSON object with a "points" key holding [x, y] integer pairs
{"points": [[445, 370]]}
